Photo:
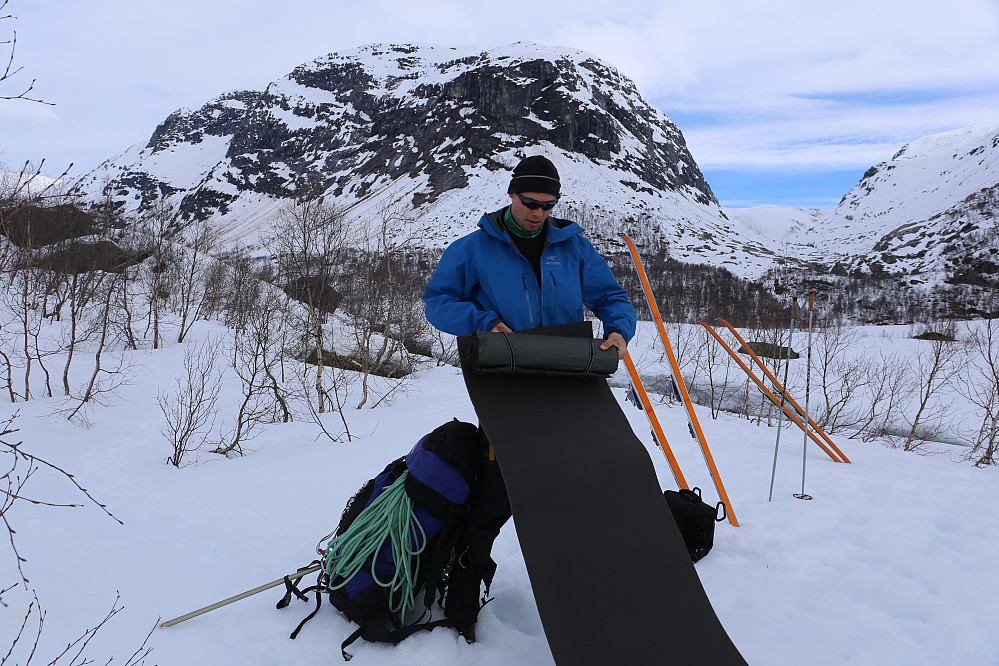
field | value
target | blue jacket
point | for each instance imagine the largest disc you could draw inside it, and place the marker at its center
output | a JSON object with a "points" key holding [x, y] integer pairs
{"points": [[482, 278]]}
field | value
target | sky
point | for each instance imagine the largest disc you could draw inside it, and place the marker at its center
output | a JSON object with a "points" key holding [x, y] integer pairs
{"points": [[782, 102]]}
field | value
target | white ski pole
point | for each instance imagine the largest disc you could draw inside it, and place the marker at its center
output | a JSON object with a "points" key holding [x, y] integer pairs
{"points": [[780, 413], [808, 385], [243, 595]]}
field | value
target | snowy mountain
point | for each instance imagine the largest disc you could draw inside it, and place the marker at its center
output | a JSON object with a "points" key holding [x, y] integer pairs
{"points": [[777, 223], [432, 132], [928, 216], [428, 134], [930, 211]]}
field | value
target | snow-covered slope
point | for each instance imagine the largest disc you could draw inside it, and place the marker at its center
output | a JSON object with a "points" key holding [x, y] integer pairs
{"points": [[932, 208], [431, 133], [24, 185], [929, 215], [890, 564]]}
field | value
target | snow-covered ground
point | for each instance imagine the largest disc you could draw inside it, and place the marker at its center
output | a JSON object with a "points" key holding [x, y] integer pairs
{"points": [[892, 562]]}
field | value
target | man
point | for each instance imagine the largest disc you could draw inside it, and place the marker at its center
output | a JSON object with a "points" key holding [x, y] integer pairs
{"points": [[521, 269]]}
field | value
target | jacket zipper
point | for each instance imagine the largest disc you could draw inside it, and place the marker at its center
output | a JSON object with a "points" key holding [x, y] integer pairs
{"points": [[527, 289], [554, 287], [527, 297]]}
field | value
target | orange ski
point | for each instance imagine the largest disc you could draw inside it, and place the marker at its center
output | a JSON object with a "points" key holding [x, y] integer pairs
{"points": [[771, 396], [787, 395], [695, 427], [657, 431]]}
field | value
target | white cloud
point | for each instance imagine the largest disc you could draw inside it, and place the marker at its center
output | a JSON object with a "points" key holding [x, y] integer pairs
{"points": [[811, 84], [781, 83], [827, 135]]}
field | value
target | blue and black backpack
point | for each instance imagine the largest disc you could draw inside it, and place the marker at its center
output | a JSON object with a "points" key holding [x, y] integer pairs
{"points": [[389, 560]]}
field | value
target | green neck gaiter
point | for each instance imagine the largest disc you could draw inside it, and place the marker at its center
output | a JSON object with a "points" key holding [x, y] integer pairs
{"points": [[515, 229]]}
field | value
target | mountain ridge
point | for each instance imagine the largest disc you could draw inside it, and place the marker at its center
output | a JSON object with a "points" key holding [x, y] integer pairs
{"points": [[432, 131], [428, 134]]}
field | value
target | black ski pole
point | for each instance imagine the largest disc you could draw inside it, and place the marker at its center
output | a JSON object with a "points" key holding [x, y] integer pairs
{"points": [[808, 385], [780, 413]]}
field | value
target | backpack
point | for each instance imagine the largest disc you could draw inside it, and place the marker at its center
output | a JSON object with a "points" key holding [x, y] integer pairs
{"points": [[695, 519], [415, 509]]}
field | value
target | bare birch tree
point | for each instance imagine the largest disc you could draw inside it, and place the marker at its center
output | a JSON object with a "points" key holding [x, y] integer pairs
{"points": [[154, 231], [233, 287], [257, 353], [685, 343], [189, 273], [716, 364], [106, 377], [308, 242], [889, 388], [936, 365], [980, 387], [841, 377], [190, 410], [383, 313]]}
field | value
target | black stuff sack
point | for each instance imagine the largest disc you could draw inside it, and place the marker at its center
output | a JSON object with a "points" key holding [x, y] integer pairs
{"points": [[695, 518]]}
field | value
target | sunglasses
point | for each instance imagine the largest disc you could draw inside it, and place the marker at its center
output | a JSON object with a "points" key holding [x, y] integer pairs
{"points": [[534, 205]]}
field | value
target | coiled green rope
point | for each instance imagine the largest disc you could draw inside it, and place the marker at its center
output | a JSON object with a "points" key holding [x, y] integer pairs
{"points": [[389, 516]]}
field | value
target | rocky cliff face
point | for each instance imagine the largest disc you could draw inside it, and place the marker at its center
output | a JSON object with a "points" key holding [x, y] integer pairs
{"points": [[433, 132]]}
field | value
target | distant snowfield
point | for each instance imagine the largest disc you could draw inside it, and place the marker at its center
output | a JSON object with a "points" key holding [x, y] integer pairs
{"points": [[777, 223], [892, 562], [10, 181]]}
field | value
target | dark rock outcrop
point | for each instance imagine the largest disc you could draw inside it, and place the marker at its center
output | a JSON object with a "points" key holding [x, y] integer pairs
{"points": [[38, 226], [350, 126]]}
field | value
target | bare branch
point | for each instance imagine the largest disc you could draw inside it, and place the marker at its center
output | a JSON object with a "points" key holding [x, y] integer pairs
{"points": [[16, 482], [74, 652], [10, 71]]}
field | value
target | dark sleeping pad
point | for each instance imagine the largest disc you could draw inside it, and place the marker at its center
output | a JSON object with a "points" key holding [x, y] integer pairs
{"points": [[525, 354], [611, 576]]}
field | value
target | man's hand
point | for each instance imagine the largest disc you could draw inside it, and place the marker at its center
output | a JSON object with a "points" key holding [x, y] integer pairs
{"points": [[615, 340], [500, 327]]}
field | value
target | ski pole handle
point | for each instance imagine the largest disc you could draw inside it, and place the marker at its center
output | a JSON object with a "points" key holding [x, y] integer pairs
{"points": [[811, 300]]}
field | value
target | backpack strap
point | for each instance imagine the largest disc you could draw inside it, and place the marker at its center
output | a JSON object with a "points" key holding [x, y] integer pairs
{"points": [[433, 575], [319, 604], [292, 587]]}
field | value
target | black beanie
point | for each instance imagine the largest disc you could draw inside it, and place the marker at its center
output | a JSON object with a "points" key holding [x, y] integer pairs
{"points": [[535, 174]]}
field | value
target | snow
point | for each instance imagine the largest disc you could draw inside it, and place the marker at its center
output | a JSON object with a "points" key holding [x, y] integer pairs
{"points": [[184, 167], [890, 563], [11, 181], [924, 178], [776, 223]]}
